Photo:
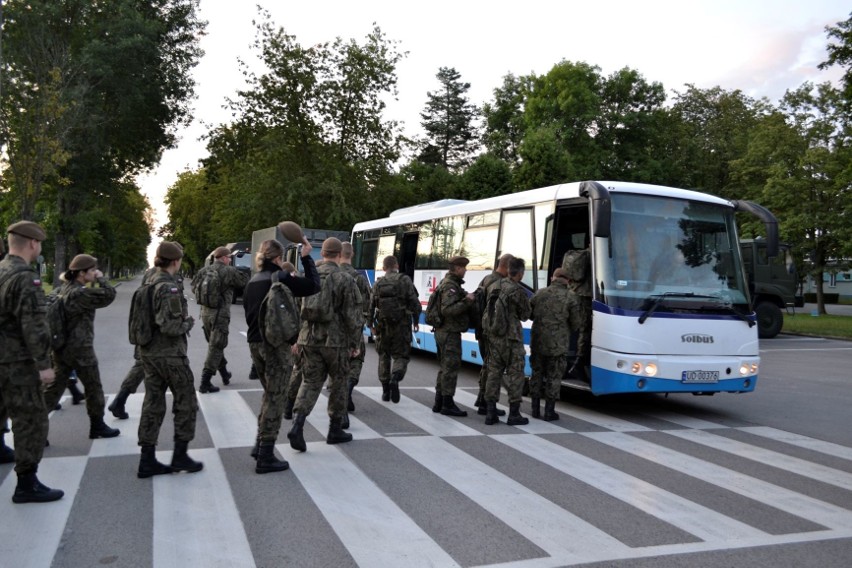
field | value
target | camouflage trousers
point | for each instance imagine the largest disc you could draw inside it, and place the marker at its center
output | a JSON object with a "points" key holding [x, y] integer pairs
{"points": [[356, 363], [22, 400], [317, 363], [274, 366], [547, 373], [449, 354], [216, 333], [483, 352], [134, 377], [174, 374], [88, 374], [393, 345], [507, 357], [295, 380]]}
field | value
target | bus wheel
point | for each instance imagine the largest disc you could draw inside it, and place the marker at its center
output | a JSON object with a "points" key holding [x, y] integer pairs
{"points": [[769, 320]]}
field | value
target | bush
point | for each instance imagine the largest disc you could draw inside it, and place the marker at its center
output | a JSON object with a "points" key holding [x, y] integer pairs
{"points": [[830, 298]]}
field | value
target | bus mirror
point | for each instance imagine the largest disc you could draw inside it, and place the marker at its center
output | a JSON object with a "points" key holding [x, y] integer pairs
{"points": [[769, 221], [601, 206]]}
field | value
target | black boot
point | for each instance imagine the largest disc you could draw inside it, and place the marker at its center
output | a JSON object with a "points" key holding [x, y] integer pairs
{"points": [[480, 400], [98, 429], [288, 409], [76, 396], [515, 418], [535, 404], [549, 412], [449, 408], [483, 410], [31, 490], [344, 422], [439, 401], [7, 454], [296, 434], [181, 460], [256, 449], [225, 374], [117, 405], [253, 374], [148, 464], [206, 386], [386, 391], [266, 460], [336, 435], [491, 413], [394, 391], [350, 406]]}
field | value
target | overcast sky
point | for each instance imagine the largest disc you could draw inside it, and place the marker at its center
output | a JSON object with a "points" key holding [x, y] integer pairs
{"points": [[762, 47]]}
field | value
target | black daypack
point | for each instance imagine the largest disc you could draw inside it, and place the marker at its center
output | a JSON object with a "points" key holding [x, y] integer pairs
{"points": [[319, 308], [56, 320], [433, 309], [141, 324], [390, 298], [278, 318], [207, 287]]}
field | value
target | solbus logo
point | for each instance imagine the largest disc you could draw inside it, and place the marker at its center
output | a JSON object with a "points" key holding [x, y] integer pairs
{"points": [[696, 338]]}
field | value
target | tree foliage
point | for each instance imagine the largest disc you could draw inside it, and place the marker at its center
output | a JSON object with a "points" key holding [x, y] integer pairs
{"points": [[448, 120]]}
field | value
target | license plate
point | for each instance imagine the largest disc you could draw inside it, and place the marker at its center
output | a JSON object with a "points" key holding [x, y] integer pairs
{"points": [[699, 377]]}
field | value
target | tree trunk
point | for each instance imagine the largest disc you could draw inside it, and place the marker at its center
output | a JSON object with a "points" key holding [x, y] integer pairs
{"points": [[820, 296]]}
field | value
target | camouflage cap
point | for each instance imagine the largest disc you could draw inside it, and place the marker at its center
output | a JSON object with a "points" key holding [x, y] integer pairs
{"points": [[332, 245], [459, 261], [83, 262], [169, 251], [559, 273], [27, 229], [221, 251]]}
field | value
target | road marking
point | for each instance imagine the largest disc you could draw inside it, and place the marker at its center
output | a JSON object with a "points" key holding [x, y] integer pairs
{"points": [[128, 442], [813, 444], [319, 419], [603, 420], [683, 420], [231, 421], [421, 416]]}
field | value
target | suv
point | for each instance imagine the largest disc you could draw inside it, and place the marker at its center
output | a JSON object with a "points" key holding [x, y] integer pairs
{"points": [[772, 282]]}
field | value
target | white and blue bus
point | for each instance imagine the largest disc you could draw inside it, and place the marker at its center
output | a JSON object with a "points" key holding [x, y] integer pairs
{"points": [[670, 300]]}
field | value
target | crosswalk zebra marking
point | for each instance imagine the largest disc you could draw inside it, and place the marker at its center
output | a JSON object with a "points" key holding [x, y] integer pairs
{"points": [[235, 424], [603, 420], [430, 422], [683, 420], [821, 446], [319, 419], [127, 442]]}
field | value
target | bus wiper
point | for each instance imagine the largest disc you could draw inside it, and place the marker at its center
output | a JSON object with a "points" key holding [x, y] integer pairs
{"points": [[657, 299], [729, 308]]}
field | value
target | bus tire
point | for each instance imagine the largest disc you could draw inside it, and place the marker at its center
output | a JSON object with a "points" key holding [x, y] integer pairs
{"points": [[769, 320]]}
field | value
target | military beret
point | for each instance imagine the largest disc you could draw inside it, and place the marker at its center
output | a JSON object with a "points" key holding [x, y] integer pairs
{"points": [[27, 229], [459, 261], [83, 262], [332, 245], [559, 273], [169, 251], [221, 251]]}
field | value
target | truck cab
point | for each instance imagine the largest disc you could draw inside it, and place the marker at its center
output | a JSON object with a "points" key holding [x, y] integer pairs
{"points": [[773, 283]]}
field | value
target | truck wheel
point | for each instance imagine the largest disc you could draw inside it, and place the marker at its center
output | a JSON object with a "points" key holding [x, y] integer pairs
{"points": [[769, 320]]}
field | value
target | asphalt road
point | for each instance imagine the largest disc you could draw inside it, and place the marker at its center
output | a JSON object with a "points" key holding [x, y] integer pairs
{"points": [[760, 479]]}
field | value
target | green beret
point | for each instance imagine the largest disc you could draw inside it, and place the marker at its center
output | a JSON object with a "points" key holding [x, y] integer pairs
{"points": [[83, 262], [27, 229], [169, 251]]}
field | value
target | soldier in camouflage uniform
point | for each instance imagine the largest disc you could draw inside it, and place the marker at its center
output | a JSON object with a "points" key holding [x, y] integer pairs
{"points": [[7, 454], [274, 364], [216, 321], [506, 353], [78, 352], [327, 347], [556, 314], [167, 367], [455, 313], [357, 362], [25, 358], [394, 312], [578, 269], [502, 271]]}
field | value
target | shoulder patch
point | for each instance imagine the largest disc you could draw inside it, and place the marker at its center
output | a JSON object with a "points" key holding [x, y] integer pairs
{"points": [[36, 281], [173, 290]]}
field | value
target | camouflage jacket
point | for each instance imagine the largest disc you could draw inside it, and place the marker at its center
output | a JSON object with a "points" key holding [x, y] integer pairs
{"points": [[406, 293], [231, 280], [170, 318], [24, 333], [557, 312], [454, 309], [346, 328], [80, 305], [363, 287], [519, 308]]}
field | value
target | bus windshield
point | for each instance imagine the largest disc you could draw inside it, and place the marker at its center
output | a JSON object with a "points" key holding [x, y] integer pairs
{"points": [[683, 251]]}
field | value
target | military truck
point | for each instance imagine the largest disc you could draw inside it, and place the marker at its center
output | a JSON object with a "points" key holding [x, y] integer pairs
{"points": [[772, 282], [315, 237]]}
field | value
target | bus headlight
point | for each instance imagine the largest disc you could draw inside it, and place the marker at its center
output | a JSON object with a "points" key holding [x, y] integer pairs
{"points": [[747, 369], [650, 369], [636, 367]]}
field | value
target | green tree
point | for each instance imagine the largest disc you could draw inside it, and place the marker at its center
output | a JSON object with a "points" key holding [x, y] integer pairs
{"points": [[840, 53], [448, 120], [504, 125], [487, 176]]}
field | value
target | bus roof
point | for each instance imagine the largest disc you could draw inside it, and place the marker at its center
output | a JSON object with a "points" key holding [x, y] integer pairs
{"points": [[447, 207]]}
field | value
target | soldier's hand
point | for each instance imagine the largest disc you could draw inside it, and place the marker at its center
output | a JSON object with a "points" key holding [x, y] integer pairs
{"points": [[295, 349], [306, 247], [416, 327], [99, 274], [354, 353], [191, 321], [46, 376]]}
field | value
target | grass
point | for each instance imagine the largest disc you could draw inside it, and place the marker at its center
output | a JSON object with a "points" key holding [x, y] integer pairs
{"points": [[824, 326]]}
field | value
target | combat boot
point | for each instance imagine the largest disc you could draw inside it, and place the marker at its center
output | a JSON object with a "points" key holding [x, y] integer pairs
{"points": [[225, 374], [394, 390], [350, 406], [99, 429], [535, 405], [336, 435], [76, 396], [31, 490], [491, 413], [206, 386], [483, 410], [288, 408], [253, 374], [117, 405], [148, 464], [296, 434], [480, 401], [386, 391], [181, 460], [344, 422], [256, 449], [266, 460], [515, 418], [7, 454], [549, 411], [439, 401], [449, 408]]}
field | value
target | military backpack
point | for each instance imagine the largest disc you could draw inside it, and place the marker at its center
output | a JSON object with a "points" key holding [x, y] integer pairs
{"points": [[278, 318], [433, 309], [319, 307], [495, 320], [56, 320], [141, 324], [390, 298], [207, 287]]}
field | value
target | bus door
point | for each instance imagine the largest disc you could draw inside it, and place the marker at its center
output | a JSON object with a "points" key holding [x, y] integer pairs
{"points": [[517, 237], [408, 253], [570, 232]]}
